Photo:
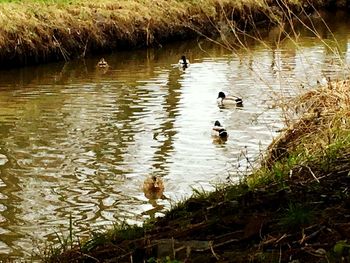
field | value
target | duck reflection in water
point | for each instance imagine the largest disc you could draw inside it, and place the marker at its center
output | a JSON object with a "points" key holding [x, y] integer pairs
{"points": [[153, 188]]}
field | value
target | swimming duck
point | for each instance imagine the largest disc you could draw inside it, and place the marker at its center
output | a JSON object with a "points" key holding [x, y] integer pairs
{"points": [[223, 99], [184, 62], [153, 187], [102, 63], [219, 131]]}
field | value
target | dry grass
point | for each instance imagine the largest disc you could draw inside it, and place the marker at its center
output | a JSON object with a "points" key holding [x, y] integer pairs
{"points": [[325, 111], [39, 31], [315, 144]]}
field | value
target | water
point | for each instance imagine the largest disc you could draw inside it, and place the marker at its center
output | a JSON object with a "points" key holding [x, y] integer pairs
{"points": [[79, 141]]}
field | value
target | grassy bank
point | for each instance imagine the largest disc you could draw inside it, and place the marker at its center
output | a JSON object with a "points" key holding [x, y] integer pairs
{"points": [[40, 31], [294, 207]]}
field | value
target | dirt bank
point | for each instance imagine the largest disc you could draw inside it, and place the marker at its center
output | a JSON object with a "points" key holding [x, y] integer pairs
{"points": [[33, 32]]}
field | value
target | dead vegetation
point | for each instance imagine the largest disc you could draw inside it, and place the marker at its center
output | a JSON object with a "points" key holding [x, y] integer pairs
{"points": [[40, 31], [324, 122]]}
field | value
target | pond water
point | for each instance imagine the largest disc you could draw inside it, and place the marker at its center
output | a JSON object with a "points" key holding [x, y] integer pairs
{"points": [[77, 141]]}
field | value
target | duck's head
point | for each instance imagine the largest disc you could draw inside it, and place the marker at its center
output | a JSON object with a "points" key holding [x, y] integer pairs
{"points": [[153, 183], [183, 58], [217, 123], [221, 95], [156, 182], [102, 63]]}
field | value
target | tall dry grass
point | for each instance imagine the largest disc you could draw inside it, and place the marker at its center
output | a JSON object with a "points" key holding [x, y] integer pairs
{"points": [[314, 145], [40, 31]]}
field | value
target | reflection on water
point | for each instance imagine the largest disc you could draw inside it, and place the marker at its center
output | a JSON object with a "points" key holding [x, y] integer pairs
{"points": [[81, 140]]}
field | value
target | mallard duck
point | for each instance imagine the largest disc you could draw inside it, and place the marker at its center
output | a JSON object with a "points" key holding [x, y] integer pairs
{"points": [[219, 131], [184, 62], [102, 63], [153, 187], [222, 100]]}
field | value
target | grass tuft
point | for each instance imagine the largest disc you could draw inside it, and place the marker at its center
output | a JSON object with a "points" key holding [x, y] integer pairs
{"points": [[296, 216]]}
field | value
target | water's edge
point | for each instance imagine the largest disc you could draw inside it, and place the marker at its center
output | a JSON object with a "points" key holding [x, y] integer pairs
{"points": [[71, 35]]}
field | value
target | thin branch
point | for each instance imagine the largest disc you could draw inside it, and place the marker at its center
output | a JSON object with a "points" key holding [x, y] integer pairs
{"points": [[212, 250]]}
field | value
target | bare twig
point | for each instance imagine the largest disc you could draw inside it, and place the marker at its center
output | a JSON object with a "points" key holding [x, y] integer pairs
{"points": [[281, 238], [312, 235], [173, 246], [312, 173], [64, 53], [212, 250], [280, 256], [91, 257]]}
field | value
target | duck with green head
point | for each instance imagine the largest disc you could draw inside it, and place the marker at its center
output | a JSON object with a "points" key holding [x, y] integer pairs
{"points": [[223, 100], [219, 131]]}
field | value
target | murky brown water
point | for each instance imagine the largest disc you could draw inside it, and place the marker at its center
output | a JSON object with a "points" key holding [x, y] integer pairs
{"points": [[81, 141]]}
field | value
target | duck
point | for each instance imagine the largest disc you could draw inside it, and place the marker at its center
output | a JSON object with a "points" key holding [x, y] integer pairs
{"points": [[153, 187], [222, 100], [184, 62], [219, 131], [102, 63]]}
